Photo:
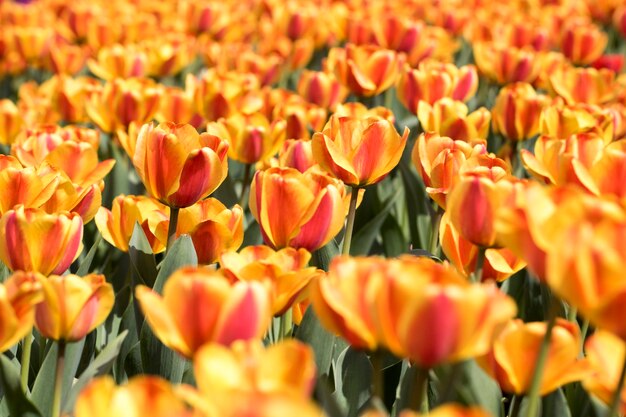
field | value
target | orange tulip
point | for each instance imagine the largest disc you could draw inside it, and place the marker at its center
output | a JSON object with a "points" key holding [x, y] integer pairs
{"points": [[365, 70], [505, 64], [321, 88], [200, 306], [27, 186], [359, 152], [517, 111], [33, 240], [516, 349], [177, 165], [251, 138], [19, 295], [301, 117], [451, 118], [285, 270], [316, 203], [605, 352], [116, 225], [119, 61], [297, 154], [562, 120], [438, 160], [213, 228], [358, 110], [176, 105], [584, 85], [73, 306], [447, 410], [582, 42], [432, 81], [10, 121], [431, 320], [142, 395]]}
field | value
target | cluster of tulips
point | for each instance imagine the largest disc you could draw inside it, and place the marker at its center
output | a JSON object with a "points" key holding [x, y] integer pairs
{"points": [[313, 207]]}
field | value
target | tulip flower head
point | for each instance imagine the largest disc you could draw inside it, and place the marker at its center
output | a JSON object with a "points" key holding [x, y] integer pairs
{"points": [[19, 295]]}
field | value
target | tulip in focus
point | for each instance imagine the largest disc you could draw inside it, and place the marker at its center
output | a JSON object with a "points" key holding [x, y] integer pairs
{"points": [[19, 295], [516, 349], [201, 306], [359, 152], [33, 240], [451, 118], [301, 210], [73, 306], [177, 165]]}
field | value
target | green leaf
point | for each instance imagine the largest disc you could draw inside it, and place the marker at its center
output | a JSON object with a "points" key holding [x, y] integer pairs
{"points": [[353, 373], [476, 387], [43, 389], [142, 258], [101, 365], [5, 272], [85, 265], [181, 254], [394, 242], [363, 239], [321, 258], [13, 396], [324, 344], [551, 405], [416, 201]]}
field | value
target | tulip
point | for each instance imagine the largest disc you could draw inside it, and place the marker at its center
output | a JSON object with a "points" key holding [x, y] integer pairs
{"points": [[19, 295], [26, 186], [605, 353], [142, 395], [285, 270], [359, 152], [619, 19], [251, 138], [517, 346], [116, 225], [584, 85], [358, 110], [177, 165], [297, 154], [365, 70], [118, 61], [301, 117], [517, 111], [321, 88], [432, 81], [452, 118], [316, 205], [176, 105], [199, 306], [10, 121], [32, 240], [447, 410], [168, 55], [562, 120], [213, 228], [504, 64], [582, 42]]}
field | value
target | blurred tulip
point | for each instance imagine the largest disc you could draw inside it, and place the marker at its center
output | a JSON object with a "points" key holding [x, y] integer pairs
{"points": [[605, 352], [451, 118], [619, 19], [432, 81], [19, 295], [563, 120], [33, 240], [177, 165], [359, 152], [200, 306], [144, 394], [73, 306], [505, 64], [321, 88], [116, 225], [10, 121], [176, 105], [517, 111], [285, 270], [124, 101], [613, 62], [119, 61], [365, 70], [582, 42], [317, 207], [251, 138], [213, 228], [516, 349], [450, 410], [584, 85]]}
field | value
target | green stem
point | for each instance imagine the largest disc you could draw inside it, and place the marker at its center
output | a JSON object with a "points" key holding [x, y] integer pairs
{"points": [[516, 405], [451, 382], [434, 233], [377, 374], [419, 389], [572, 314], [286, 324], [347, 239], [245, 185], [542, 358], [25, 363], [583, 335], [171, 229], [480, 263], [617, 396], [58, 380], [389, 98]]}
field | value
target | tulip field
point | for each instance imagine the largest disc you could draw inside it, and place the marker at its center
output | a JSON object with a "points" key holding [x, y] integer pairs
{"points": [[307, 208]]}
